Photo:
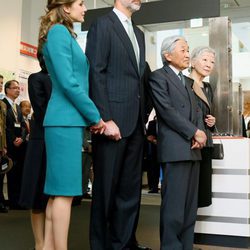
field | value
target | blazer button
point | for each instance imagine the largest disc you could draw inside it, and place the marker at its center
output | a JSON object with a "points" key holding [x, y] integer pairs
{"points": [[182, 105], [139, 96]]}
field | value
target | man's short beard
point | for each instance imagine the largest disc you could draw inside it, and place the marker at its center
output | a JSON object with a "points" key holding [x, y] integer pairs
{"points": [[134, 7]]}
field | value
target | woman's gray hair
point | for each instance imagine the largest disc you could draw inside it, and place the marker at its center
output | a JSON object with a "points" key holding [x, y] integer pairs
{"points": [[168, 46], [198, 51]]}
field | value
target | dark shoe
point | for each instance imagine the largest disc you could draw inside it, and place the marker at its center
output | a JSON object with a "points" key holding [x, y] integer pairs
{"points": [[3, 208], [17, 207], [76, 201], [153, 191], [86, 196], [140, 247]]}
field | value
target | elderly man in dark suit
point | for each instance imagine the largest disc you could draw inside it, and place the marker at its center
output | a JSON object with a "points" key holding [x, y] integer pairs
{"points": [[116, 51], [180, 138], [15, 136]]}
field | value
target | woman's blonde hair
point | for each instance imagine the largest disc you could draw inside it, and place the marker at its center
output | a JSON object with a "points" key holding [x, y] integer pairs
{"points": [[54, 14]]}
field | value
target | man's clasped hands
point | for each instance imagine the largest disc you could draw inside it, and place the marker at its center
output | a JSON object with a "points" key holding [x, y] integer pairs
{"points": [[108, 128]]}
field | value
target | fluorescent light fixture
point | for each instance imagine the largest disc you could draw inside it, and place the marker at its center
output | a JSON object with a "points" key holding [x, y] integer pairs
{"points": [[194, 23]]}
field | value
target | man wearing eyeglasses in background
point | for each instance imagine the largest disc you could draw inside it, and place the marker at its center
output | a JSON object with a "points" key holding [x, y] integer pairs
{"points": [[15, 136]]}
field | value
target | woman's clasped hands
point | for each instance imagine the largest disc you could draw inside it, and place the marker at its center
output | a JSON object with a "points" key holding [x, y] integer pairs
{"points": [[109, 129], [98, 128]]}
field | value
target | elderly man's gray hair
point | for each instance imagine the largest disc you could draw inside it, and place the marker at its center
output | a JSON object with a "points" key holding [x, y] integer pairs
{"points": [[168, 46]]}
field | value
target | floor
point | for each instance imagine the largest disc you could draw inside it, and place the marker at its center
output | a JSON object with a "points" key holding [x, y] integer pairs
{"points": [[155, 199], [15, 230]]}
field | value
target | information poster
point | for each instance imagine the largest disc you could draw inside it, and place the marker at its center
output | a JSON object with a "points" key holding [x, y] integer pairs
{"points": [[23, 81]]}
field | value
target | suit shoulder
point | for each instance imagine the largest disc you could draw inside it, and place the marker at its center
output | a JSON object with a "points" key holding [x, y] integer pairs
{"points": [[157, 72], [58, 28], [59, 31], [139, 30], [2, 104], [102, 21], [5, 101], [35, 77], [189, 80]]}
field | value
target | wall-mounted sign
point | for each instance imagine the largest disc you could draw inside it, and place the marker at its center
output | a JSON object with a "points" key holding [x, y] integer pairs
{"points": [[28, 49]]}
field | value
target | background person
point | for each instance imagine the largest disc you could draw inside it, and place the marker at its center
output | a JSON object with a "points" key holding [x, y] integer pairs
{"points": [[202, 65], [69, 110], [15, 136], [32, 196], [3, 151], [153, 164], [1, 87], [179, 141], [26, 110], [87, 164]]}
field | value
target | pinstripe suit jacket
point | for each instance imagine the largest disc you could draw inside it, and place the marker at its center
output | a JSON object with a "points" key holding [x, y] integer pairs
{"points": [[116, 85]]}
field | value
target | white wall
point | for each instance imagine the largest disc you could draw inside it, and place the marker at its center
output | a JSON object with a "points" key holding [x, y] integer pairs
{"points": [[241, 65], [19, 21], [32, 10], [10, 33], [151, 43]]}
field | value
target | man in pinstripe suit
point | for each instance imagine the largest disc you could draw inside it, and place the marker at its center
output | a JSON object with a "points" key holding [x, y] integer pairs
{"points": [[117, 66]]}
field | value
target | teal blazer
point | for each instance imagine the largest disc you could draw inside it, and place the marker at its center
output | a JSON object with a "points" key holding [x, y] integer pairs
{"points": [[69, 104]]}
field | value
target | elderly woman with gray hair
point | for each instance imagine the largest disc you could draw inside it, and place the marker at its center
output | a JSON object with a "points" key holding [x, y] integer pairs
{"points": [[202, 64]]}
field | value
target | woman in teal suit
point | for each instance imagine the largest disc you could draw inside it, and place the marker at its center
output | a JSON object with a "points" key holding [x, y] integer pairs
{"points": [[69, 110]]}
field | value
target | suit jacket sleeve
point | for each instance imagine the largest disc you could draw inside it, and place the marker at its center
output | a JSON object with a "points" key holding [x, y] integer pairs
{"points": [[97, 51], [148, 99], [39, 93], [59, 45], [24, 131], [164, 107], [3, 125], [151, 128]]}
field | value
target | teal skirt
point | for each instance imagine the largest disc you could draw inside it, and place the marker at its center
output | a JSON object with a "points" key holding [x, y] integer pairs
{"points": [[64, 161]]}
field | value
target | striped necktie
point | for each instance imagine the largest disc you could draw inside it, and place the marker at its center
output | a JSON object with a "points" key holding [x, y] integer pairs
{"points": [[182, 78], [132, 38], [14, 107]]}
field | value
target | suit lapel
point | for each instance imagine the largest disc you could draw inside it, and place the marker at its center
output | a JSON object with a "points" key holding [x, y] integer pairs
{"points": [[122, 34], [175, 81], [192, 97], [141, 49], [9, 109], [199, 92]]}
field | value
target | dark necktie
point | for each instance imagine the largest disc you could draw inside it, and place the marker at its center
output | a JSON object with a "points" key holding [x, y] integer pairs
{"points": [[27, 124], [182, 78]]}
